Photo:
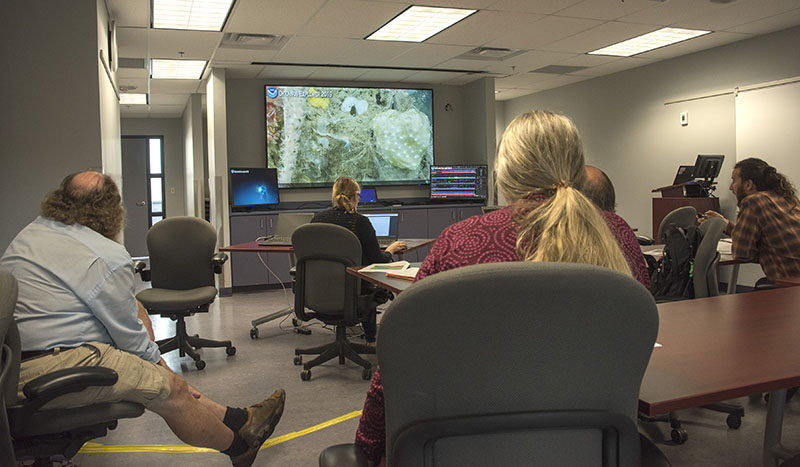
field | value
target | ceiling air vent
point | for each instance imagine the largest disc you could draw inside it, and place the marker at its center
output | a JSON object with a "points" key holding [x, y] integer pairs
{"points": [[132, 63], [558, 69], [490, 53], [253, 41]]}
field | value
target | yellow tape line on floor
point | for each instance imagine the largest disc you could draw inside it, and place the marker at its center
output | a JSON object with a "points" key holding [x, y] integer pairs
{"points": [[184, 448]]}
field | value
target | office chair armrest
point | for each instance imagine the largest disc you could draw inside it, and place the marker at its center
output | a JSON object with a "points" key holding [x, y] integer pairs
{"points": [[45, 388], [140, 267], [218, 260]]}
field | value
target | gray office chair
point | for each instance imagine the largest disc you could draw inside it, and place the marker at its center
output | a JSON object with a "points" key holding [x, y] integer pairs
{"points": [[684, 216], [560, 386], [42, 435], [322, 285], [182, 268]]}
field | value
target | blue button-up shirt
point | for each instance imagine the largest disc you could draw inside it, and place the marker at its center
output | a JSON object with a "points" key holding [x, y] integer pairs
{"points": [[75, 286]]}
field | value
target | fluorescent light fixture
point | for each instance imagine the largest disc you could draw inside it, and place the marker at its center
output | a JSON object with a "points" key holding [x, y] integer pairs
{"points": [[197, 15], [177, 69], [126, 98], [418, 23], [649, 41]]}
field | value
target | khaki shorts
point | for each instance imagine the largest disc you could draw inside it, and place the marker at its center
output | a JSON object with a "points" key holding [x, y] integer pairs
{"points": [[139, 380]]}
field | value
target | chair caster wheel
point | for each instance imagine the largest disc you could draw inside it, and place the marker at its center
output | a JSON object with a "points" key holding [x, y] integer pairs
{"points": [[679, 435], [230, 350], [734, 421], [200, 364], [305, 375], [366, 374], [254, 333], [296, 323], [298, 359]]}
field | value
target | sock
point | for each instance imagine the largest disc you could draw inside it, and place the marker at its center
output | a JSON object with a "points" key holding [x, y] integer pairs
{"points": [[237, 447], [235, 418]]}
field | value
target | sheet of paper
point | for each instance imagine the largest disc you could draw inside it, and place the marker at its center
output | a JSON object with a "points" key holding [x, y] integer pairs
{"points": [[408, 274], [383, 267]]}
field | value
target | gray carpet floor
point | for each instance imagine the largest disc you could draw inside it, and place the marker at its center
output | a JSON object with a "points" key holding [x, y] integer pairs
{"points": [[335, 392]]}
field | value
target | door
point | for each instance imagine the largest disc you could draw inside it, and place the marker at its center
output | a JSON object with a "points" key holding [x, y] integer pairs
{"points": [[142, 189]]}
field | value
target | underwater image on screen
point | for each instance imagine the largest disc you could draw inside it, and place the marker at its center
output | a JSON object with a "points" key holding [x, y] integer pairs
{"points": [[317, 134]]}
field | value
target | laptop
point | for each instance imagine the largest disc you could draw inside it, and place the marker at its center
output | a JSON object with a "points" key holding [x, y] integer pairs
{"points": [[385, 225], [685, 174], [284, 228]]}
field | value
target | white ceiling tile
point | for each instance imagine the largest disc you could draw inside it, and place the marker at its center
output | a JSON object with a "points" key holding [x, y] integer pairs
{"points": [[546, 7], [606, 9], [140, 84], [508, 94], [132, 73], [528, 61], [337, 74], [463, 64], [428, 55], [469, 4], [770, 24], [385, 75], [244, 55], [432, 77], [482, 27], [738, 13], [271, 16], [169, 99], [667, 13], [275, 72], [239, 71], [463, 79], [522, 80], [361, 52], [589, 60], [355, 19], [133, 13], [302, 49], [175, 86], [132, 42], [697, 44], [614, 67], [605, 34], [546, 31], [195, 45]]}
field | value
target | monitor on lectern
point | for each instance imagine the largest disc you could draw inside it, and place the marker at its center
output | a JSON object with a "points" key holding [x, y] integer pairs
{"points": [[706, 168]]}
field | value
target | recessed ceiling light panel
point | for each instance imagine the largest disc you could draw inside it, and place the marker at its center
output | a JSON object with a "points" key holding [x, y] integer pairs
{"points": [[127, 98], [649, 41], [196, 15], [418, 23], [177, 69]]}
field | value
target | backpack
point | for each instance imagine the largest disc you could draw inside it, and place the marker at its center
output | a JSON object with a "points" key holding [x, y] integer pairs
{"points": [[671, 277]]}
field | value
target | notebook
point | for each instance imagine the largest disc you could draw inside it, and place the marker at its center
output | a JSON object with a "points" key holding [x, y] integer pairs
{"points": [[284, 227], [385, 225]]}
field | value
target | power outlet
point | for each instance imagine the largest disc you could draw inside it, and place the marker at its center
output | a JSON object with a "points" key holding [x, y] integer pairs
{"points": [[684, 118]]}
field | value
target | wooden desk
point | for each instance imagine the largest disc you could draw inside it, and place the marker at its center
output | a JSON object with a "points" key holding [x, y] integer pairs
{"points": [[379, 278], [724, 347]]}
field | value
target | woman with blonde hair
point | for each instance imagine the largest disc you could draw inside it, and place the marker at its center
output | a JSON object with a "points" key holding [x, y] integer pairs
{"points": [[344, 212], [540, 170]]}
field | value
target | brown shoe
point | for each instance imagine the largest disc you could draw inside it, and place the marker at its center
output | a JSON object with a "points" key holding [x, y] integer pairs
{"points": [[262, 418]]}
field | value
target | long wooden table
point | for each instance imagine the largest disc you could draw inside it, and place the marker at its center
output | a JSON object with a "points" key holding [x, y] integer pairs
{"points": [[719, 348]]}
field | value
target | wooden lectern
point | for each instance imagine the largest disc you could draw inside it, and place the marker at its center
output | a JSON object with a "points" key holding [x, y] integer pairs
{"points": [[675, 196]]}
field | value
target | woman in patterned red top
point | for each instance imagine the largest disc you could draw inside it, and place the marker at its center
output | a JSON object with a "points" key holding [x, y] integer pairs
{"points": [[540, 169]]}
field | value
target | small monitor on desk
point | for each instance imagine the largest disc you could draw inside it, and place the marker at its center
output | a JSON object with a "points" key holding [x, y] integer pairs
{"points": [[459, 182], [368, 195], [706, 168], [253, 187]]}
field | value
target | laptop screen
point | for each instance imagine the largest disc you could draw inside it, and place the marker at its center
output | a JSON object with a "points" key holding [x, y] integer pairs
{"points": [[385, 224]]}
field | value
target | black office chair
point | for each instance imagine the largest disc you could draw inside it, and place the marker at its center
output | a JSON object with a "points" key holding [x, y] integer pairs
{"points": [[182, 268], [324, 251], [50, 434], [684, 217], [560, 386]]}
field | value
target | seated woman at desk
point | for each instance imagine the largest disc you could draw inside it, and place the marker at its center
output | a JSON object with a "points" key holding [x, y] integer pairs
{"points": [[540, 169], [346, 194]]}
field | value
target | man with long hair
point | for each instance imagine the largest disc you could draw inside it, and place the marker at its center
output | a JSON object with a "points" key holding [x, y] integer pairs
{"points": [[767, 229], [76, 307]]}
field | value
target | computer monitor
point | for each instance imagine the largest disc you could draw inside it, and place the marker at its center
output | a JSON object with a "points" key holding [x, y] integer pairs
{"points": [[459, 182], [253, 187], [368, 195], [707, 167]]}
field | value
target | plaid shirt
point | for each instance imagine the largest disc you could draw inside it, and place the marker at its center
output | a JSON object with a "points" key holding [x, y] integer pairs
{"points": [[767, 231]]}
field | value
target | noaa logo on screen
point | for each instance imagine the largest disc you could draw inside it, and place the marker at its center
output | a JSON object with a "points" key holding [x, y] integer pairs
{"points": [[272, 93]]}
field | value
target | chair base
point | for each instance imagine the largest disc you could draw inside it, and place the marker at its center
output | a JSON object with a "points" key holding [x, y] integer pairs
{"points": [[187, 345], [679, 435], [341, 348], [61, 448]]}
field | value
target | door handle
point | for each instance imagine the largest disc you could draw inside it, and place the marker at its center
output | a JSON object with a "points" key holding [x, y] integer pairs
{"points": [[141, 203]]}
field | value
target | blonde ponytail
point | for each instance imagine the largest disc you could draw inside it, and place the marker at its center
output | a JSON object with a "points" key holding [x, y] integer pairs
{"points": [[541, 153], [344, 189]]}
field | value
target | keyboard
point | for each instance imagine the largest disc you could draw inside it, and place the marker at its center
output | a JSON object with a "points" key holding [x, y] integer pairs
{"points": [[276, 240], [384, 242]]}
